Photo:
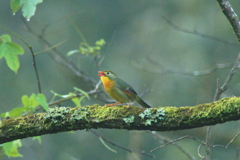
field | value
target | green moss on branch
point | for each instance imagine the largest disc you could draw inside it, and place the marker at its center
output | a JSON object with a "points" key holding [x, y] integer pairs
{"points": [[120, 117]]}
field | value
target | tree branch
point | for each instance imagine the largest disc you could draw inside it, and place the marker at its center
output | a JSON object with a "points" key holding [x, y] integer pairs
{"points": [[131, 118], [231, 16]]}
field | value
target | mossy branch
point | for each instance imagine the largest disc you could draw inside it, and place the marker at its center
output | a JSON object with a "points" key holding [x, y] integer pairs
{"points": [[132, 118]]}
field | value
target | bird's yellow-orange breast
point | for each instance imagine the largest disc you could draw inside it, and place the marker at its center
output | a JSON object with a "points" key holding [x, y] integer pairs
{"points": [[107, 83]]}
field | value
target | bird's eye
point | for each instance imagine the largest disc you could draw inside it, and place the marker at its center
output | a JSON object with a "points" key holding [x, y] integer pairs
{"points": [[108, 72]]}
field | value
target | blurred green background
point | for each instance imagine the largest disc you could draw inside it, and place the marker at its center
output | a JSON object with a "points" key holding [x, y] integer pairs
{"points": [[140, 45]]}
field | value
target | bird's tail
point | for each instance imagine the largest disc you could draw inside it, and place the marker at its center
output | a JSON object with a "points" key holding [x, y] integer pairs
{"points": [[142, 103]]}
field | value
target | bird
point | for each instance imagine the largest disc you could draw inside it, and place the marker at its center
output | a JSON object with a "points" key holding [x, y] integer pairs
{"points": [[119, 90]]}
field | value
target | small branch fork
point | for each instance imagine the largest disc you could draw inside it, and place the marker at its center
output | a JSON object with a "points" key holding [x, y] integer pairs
{"points": [[166, 140], [223, 88], [119, 146], [195, 139]]}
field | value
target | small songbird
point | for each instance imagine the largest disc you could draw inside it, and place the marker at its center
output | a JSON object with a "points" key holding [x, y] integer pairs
{"points": [[119, 89]]}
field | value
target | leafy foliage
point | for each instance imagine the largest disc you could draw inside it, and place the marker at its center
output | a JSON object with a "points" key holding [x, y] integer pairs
{"points": [[28, 7], [11, 148], [29, 104], [85, 48], [73, 96], [10, 52]]}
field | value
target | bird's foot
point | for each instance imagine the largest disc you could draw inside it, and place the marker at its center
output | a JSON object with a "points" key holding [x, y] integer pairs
{"points": [[128, 104], [113, 104]]}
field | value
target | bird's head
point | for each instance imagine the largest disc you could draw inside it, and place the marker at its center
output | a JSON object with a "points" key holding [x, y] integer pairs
{"points": [[107, 73]]}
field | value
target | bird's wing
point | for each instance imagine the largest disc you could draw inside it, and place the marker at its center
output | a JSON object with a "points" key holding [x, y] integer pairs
{"points": [[126, 88]]}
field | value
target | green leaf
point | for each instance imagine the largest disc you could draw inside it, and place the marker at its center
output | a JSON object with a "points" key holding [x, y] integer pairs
{"points": [[38, 138], [6, 38], [82, 91], [41, 99], [72, 52], [15, 112], [25, 101], [15, 5], [29, 103], [76, 101], [29, 7], [33, 103], [3, 39], [100, 42], [10, 52], [11, 148]]}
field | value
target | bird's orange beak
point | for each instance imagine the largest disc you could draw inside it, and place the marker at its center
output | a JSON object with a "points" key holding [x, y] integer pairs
{"points": [[101, 73]]}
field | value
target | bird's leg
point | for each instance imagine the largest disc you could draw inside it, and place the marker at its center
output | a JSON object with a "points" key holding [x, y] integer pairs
{"points": [[113, 104], [130, 103]]}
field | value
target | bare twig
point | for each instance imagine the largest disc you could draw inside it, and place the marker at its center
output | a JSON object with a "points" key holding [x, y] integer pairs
{"points": [[174, 26], [232, 140], [50, 47], [223, 88], [178, 139], [60, 58], [202, 144], [166, 139], [199, 154], [120, 146], [164, 69], [207, 146], [35, 69]]}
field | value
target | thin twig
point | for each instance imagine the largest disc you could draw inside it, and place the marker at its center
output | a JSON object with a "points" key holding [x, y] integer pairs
{"points": [[178, 139], [164, 69], [174, 26], [228, 79], [199, 154], [119, 146], [232, 140], [16, 35], [35, 69], [60, 58], [50, 47], [202, 143], [166, 139], [207, 146]]}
